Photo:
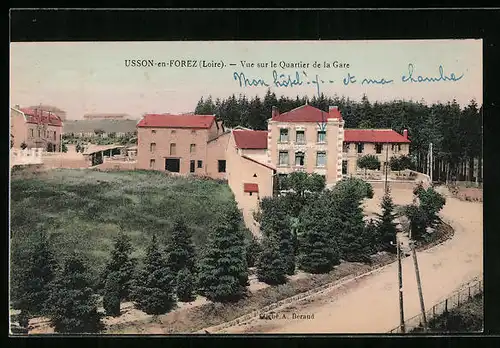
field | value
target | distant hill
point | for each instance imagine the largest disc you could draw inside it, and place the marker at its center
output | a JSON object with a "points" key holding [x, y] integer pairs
{"points": [[108, 126]]}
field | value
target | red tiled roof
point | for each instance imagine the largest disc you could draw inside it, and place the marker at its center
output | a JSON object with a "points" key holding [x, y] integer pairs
{"points": [[307, 113], [250, 187], [373, 136], [176, 121], [40, 116], [250, 139]]}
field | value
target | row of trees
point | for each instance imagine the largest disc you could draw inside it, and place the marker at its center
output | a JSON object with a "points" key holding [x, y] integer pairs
{"points": [[65, 292], [313, 229], [396, 163], [455, 132]]}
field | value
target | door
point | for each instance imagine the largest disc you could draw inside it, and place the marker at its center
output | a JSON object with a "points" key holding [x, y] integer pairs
{"points": [[191, 166], [173, 165]]}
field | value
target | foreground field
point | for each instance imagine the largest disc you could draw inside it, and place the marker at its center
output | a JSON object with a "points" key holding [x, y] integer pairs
{"points": [[84, 210], [370, 305]]}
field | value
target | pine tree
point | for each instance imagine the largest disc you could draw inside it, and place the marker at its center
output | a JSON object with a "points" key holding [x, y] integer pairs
{"points": [[318, 251], [180, 248], [73, 304], [253, 250], [386, 226], [111, 300], [348, 226], [37, 277], [223, 272], [153, 289], [185, 285], [276, 222], [270, 266], [121, 264]]}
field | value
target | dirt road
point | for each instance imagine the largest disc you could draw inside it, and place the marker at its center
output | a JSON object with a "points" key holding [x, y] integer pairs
{"points": [[371, 305]]}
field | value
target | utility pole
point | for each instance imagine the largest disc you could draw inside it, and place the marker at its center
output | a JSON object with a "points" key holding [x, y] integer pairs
{"points": [[419, 284], [400, 283], [386, 164], [430, 161]]}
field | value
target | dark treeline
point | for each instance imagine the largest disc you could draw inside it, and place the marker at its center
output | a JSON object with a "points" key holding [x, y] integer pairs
{"points": [[455, 132]]}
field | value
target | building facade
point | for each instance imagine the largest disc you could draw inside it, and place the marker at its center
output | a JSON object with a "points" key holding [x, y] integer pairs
{"points": [[180, 143], [35, 129], [382, 143], [307, 139]]}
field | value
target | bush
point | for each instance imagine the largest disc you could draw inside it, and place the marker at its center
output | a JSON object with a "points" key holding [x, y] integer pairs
{"points": [[369, 162]]}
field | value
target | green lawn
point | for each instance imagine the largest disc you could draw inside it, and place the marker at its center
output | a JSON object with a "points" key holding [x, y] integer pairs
{"points": [[84, 209]]}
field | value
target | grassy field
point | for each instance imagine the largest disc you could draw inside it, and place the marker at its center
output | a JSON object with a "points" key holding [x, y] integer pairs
{"points": [[468, 317], [84, 209]]}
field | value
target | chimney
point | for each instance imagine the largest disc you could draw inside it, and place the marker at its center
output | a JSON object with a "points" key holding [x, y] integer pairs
{"points": [[334, 112], [275, 112], [405, 133]]}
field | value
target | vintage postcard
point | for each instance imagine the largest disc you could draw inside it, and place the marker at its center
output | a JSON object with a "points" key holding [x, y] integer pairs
{"points": [[246, 187]]}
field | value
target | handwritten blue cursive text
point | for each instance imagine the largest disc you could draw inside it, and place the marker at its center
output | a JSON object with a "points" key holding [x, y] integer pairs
{"points": [[419, 78]]}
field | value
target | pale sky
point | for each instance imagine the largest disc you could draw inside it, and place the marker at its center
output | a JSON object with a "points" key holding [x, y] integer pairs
{"points": [[88, 77]]}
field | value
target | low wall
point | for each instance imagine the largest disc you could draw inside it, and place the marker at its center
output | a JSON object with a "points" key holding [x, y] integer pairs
{"points": [[117, 165], [62, 160]]}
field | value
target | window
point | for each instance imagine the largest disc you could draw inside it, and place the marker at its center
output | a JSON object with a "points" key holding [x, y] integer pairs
{"points": [[321, 159], [360, 147], [345, 147], [31, 133], [300, 137], [200, 164], [299, 159], [193, 132], [151, 163], [39, 133], [344, 167], [152, 147], [321, 136], [172, 131], [222, 166], [191, 166], [172, 149], [153, 131], [192, 148], [54, 135], [378, 148], [283, 158], [283, 135], [396, 147]]}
